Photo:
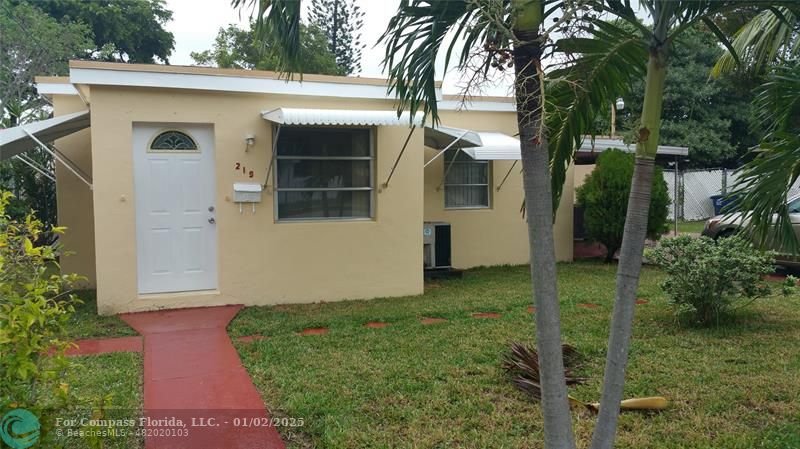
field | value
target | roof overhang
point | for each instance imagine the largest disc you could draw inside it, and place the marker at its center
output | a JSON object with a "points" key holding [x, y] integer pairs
{"points": [[14, 141], [601, 144], [340, 117]]}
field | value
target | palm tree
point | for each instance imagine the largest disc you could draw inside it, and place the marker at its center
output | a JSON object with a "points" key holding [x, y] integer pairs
{"points": [[764, 183], [553, 114], [669, 19], [770, 43], [500, 32]]}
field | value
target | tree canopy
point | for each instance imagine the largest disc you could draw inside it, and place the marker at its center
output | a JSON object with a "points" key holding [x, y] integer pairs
{"points": [[710, 116], [32, 43], [341, 21], [241, 49], [122, 30]]}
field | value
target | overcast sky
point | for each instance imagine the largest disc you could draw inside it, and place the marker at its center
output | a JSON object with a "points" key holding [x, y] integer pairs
{"points": [[195, 24]]}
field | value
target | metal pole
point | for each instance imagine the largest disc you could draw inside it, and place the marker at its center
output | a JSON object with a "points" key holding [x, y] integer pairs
{"points": [[397, 161], [272, 159], [613, 119], [439, 187], [445, 149], [58, 158], [506, 176], [675, 196], [35, 167]]}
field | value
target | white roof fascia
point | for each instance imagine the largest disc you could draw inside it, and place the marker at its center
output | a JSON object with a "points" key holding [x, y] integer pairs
{"points": [[485, 106], [228, 83], [56, 89], [339, 117]]}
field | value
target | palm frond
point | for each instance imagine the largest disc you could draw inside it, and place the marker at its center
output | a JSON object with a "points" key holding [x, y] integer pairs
{"points": [[522, 365], [416, 36], [764, 184], [278, 21], [584, 88], [770, 35]]}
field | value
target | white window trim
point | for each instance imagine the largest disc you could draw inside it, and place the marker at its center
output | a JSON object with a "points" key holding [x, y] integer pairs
{"points": [[371, 188]]}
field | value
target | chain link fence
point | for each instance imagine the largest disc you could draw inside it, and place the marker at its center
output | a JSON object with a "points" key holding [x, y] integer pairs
{"points": [[691, 191]]}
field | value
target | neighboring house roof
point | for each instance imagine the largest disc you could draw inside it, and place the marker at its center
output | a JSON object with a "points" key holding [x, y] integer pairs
{"points": [[600, 144]]}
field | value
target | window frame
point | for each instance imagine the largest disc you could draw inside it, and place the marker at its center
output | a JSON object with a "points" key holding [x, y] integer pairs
{"points": [[445, 184], [161, 132], [371, 158]]}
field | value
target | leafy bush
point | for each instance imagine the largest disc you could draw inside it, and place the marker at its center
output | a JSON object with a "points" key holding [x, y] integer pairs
{"points": [[35, 306], [604, 199], [707, 279]]}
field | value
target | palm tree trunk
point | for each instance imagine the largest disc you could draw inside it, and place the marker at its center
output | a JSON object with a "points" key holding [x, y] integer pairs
{"points": [[539, 206], [630, 257]]}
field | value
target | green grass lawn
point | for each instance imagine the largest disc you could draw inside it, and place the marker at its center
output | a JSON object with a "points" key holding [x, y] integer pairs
{"points": [[86, 323], [689, 227], [441, 385], [113, 380]]}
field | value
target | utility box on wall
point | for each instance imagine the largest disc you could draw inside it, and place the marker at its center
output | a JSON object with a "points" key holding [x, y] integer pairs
{"points": [[436, 249], [246, 192]]}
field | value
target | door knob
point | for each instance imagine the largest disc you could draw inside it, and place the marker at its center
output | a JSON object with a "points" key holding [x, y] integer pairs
{"points": [[211, 220]]}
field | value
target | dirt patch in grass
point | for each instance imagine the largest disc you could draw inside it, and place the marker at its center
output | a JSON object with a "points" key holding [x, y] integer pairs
{"points": [[431, 320], [251, 338], [376, 324], [486, 315], [313, 331]]}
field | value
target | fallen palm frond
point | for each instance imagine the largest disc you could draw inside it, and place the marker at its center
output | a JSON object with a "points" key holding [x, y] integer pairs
{"points": [[522, 365]]}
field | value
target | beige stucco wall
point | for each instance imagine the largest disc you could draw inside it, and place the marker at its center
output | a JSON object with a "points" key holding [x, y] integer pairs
{"points": [[260, 261], [497, 235], [74, 198], [581, 172]]}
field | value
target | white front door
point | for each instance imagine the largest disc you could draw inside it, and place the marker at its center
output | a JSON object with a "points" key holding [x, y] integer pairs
{"points": [[176, 232]]}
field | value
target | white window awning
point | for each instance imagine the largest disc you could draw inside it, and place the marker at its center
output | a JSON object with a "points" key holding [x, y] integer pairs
{"points": [[479, 145], [599, 145], [20, 139], [443, 137], [495, 147], [340, 117]]}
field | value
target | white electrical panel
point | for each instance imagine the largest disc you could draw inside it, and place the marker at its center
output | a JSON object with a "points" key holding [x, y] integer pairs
{"points": [[244, 192]]}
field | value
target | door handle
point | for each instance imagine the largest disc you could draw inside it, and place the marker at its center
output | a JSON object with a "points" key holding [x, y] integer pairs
{"points": [[212, 220]]}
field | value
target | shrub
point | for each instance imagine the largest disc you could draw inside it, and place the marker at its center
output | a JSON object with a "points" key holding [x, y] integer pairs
{"points": [[707, 279], [604, 199], [35, 306]]}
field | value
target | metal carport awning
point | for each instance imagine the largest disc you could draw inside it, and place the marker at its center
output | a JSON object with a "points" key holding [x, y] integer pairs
{"points": [[19, 139]]}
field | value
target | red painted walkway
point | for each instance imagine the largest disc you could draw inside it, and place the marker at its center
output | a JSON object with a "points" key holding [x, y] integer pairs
{"points": [[104, 345], [197, 394]]}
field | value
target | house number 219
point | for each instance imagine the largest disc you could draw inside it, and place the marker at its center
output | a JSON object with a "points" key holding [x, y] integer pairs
{"points": [[243, 169]]}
